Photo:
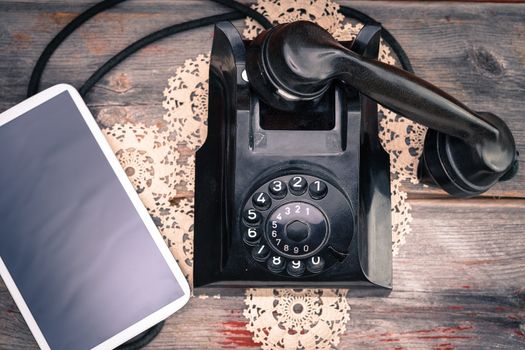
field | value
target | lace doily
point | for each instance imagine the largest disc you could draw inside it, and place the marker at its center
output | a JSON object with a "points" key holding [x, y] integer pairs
{"points": [[186, 102], [160, 164], [147, 157], [177, 231], [323, 12], [296, 319]]}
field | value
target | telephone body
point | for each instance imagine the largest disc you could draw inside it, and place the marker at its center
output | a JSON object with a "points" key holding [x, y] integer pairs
{"points": [[287, 199]]}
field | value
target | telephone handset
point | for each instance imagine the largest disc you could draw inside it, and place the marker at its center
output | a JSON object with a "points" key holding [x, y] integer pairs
{"points": [[466, 153], [292, 185]]}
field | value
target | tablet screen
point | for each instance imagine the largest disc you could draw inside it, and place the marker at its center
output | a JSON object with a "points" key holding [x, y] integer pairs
{"points": [[73, 242]]}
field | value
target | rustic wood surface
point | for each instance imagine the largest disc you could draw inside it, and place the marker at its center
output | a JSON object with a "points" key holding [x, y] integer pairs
{"points": [[460, 277]]}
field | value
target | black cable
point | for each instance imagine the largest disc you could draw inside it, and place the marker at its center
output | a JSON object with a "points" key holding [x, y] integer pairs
{"points": [[151, 38], [104, 5], [387, 36], [248, 11], [143, 339], [241, 11], [36, 75], [121, 56]]}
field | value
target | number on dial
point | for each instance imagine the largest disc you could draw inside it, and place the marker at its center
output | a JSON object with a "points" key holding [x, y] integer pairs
{"points": [[252, 216], [252, 235], [261, 200], [277, 189], [296, 229], [297, 185], [318, 189]]}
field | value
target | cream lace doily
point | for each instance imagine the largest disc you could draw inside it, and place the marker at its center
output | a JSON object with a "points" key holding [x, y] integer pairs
{"points": [[160, 164], [296, 319]]}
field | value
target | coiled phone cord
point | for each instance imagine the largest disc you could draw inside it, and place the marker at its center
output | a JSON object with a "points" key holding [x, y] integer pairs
{"points": [[240, 12]]}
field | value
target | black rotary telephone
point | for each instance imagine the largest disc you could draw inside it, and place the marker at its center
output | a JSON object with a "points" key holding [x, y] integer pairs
{"points": [[292, 184], [292, 148]]}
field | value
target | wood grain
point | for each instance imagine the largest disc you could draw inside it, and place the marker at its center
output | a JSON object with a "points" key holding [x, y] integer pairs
{"points": [[472, 51], [459, 279]]}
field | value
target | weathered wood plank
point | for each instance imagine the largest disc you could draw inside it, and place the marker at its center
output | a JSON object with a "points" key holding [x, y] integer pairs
{"points": [[472, 51], [476, 242], [459, 280], [404, 320]]}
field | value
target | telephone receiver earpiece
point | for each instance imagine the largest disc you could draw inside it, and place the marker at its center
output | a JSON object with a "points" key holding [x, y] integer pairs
{"points": [[465, 153]]}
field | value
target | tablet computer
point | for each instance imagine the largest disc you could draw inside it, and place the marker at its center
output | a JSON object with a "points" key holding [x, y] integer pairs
{"points": [[79, 253]]}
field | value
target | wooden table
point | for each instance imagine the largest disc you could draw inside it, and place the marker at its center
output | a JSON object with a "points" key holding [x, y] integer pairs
{"points": [[459, 279]]}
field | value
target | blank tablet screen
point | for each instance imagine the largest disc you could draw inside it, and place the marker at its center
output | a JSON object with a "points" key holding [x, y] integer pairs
{"points": [[73, 242]]}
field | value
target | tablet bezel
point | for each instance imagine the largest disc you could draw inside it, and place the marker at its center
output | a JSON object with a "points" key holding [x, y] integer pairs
{"points": [[154, 317]]}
